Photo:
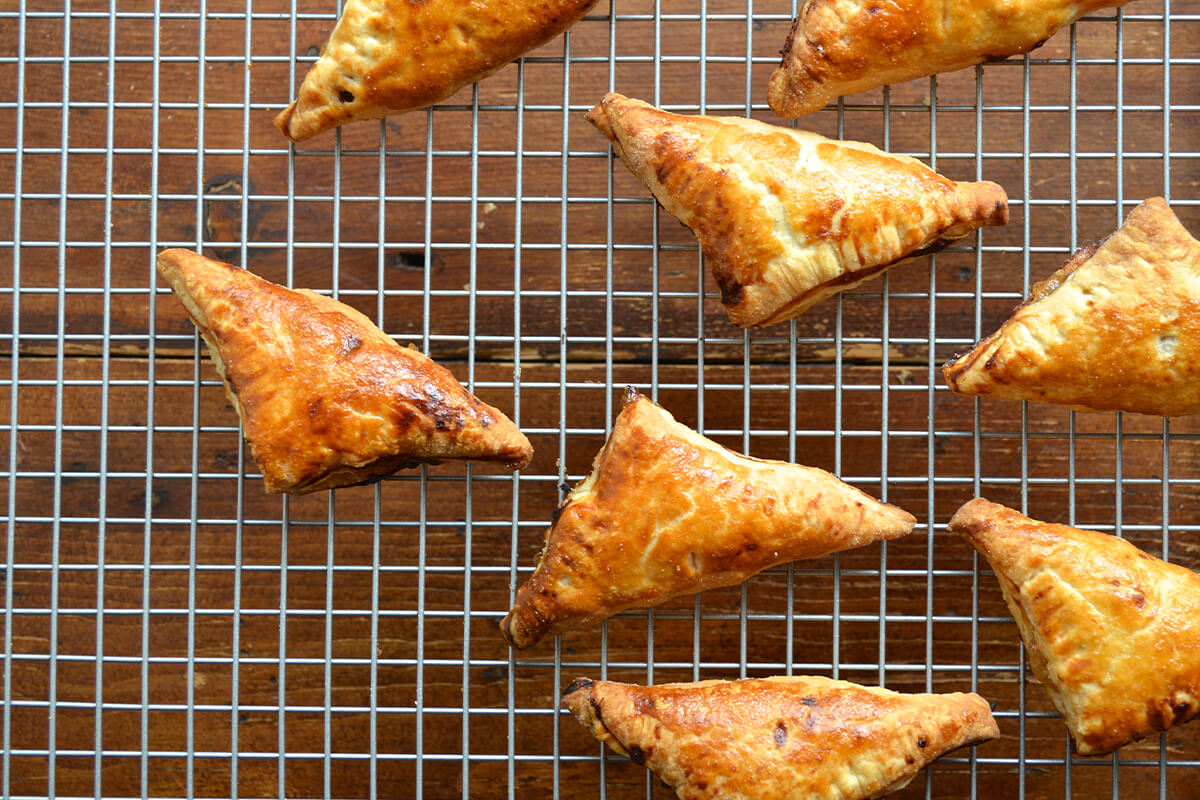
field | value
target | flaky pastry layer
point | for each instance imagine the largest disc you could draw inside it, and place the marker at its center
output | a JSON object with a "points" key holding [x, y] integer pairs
{"points": [[1116, 329], [325, 397], [1112, 632], [667, 512], [840, 47], [783, 738], [389, 56], [786, 217]]}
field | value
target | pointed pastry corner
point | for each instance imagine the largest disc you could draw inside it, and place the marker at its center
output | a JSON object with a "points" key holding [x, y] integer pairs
{"points": [[976, 516], [631, 396], [979, 725], [285, 120], [623, 121], [577, 697], [520, 628], [583, 699], [319, 106], [1000, 534], [793, 93], [580, 687], [599, 114], [175, 263], [987, 203]]}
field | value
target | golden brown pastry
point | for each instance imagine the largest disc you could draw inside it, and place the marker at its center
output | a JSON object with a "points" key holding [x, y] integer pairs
{"points": [[781, 737], [326, 398], [1116, 329], [388, 56], [840, 47], [667, 512], [1112, 633], [786, 217]]}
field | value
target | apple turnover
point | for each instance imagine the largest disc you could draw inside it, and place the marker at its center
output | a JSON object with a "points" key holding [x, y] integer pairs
{"points": [[389, 56], [1112, 632], [785, 217], [840, 47], [327, 399], [780, 737], [667, 512], [1116, 329]]}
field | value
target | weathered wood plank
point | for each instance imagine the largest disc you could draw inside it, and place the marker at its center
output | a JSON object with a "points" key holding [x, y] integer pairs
{"points": [[255, 612], [201, 200]]}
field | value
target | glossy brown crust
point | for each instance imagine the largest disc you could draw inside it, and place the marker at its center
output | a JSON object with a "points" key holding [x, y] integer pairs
{"points": [[667, 512], [389, 56], [326, 398], [786, 217], [1116, 329], [1112, 632], [799, 738], [840, 47]]}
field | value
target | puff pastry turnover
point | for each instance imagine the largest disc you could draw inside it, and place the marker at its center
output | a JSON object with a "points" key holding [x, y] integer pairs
{"points": [[325, 397], [1116, 329], [1112, 632], [667, 512], [781, 737], [839, 47], [786, 217], [388, 56]]}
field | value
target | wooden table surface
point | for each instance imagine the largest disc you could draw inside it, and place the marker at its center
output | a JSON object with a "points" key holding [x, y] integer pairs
{"points": [[163, 615]]}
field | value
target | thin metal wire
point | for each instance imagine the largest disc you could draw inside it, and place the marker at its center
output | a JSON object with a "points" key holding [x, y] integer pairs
{"points": [[1165, 552], [105, 366], [14, 410], [514, 536], [59, 368]]}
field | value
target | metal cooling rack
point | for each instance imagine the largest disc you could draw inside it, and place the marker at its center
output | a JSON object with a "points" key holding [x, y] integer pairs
{"points": [[171, 631]]}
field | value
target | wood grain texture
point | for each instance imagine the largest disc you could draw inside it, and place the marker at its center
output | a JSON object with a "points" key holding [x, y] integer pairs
{"points": [[246, 604], [164, 561]]}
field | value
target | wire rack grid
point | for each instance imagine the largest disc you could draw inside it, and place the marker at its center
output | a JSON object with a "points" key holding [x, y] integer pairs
{"points": [[169, 630]]}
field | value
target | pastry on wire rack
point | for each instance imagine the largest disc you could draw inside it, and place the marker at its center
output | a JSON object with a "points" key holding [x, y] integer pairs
{"points": [[1112, 632], [325, 397], [389, 56], [779, 737], [840, 47], [1116, 329], [786, 217], [668, 513]]}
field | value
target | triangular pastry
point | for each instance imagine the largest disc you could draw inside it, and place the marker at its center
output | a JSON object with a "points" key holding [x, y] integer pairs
{"points": [[667, 512], [388, 56], [1116, 329], [1112, 632], [785, 217], [780, 737], [325, 397], [840, 47]]}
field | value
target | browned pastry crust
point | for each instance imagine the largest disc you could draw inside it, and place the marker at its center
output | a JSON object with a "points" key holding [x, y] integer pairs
{"points": [[389, 56], [1112, 632], [325, 397], [839, 47], [781, 737], [667, 512], [1116, 329], [786, 217]]}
